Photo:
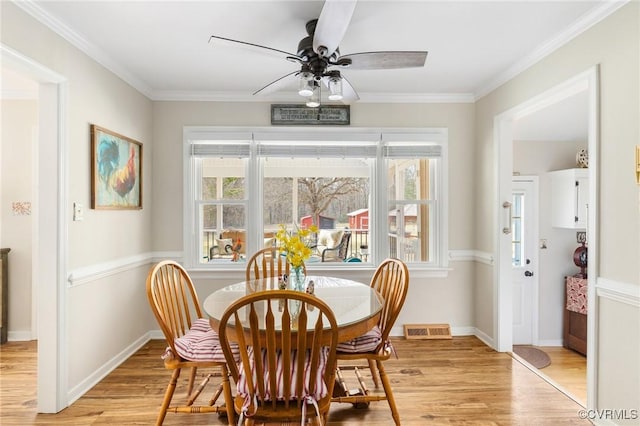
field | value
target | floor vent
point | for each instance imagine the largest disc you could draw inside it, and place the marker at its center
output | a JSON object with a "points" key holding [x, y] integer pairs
{"points": [[427, 331]]}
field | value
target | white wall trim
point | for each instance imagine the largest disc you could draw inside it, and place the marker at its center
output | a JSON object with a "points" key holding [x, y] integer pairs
{"points": [[471, 256], [485, 338], [619, 291], [19, 336], [587, 21], [89, 382], [87, 274], [217, 96], [551, 342], [83, 44], [97, 271]]}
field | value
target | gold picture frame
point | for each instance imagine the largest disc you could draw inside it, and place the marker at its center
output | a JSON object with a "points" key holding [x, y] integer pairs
{"points": [[116, 171]]}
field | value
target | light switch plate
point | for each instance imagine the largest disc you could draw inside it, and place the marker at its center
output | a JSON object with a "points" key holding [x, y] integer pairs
{"points": [[78, 211]]}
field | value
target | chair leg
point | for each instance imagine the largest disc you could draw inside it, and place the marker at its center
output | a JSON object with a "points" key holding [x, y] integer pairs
{"points": [[192, 379], [388, 392], [167, 396], [374, 374], [228, 398]]}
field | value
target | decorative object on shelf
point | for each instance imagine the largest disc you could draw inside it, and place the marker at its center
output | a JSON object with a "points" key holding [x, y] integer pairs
{"points": [[582, 159], [116, 170], [295, 246], [580, 259]]}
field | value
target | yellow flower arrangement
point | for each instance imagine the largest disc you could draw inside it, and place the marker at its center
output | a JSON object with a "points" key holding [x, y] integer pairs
{"points": [[295, 245]]}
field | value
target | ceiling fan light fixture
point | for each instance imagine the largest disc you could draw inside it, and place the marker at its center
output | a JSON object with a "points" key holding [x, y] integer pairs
{"points": [[314, 99], [306, 85], [335, 89]]}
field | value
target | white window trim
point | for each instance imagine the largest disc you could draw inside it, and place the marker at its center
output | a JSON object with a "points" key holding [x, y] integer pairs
{"points": [[315, 133]]}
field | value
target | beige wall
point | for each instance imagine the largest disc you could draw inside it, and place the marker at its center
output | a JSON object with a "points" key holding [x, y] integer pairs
{"points": [[439, 300], [117, 302], [94, 95], [613, 44], [19, 123]]}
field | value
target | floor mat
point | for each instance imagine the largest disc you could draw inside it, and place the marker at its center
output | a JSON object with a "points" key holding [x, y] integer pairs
{"points": [[534, 356]]}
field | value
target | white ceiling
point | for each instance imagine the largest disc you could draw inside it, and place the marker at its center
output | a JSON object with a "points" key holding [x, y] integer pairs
{"points": [[162, 47]]}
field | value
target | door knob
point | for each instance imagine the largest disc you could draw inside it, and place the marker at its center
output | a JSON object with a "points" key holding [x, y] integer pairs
{"points": [[528, 273]]}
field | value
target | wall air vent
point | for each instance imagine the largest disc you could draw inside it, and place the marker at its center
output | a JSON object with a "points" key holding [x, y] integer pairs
{"points": [[427, 331]]}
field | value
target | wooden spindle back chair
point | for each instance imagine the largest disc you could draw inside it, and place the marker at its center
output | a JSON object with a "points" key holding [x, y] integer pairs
{"points": [[287, 343], [175, 304], [267, 263], [391, 280]]}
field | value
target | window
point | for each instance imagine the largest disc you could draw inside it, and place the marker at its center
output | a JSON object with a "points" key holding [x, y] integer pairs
{"points": [[372, 194]]}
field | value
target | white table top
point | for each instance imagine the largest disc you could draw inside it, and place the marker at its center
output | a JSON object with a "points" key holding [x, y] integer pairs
{"points": [[355, 305]]}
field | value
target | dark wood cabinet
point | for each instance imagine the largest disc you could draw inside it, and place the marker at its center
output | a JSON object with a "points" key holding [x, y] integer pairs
{"points": [[4, 294], [575, 314]]}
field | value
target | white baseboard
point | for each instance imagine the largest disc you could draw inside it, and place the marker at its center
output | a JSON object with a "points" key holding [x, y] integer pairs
{"points": [[486, 339], [550, 342], [19, 336], [102, 372]]}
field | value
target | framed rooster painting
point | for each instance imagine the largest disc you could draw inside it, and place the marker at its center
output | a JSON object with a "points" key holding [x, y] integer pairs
{"points": [[116, 170]]}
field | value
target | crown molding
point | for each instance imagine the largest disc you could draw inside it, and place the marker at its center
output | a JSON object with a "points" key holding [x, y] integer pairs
{"points": [[584, 23], [83, 45], [109, 63], [587, 21], [406, 98], [211, 96]]}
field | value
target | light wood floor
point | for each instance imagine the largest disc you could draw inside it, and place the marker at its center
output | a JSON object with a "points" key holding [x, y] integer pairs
{"points": [[438, 382], [568, 370]]}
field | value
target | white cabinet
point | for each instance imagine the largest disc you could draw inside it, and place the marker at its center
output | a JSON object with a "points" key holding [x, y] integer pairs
{"points": [[569, 198]]}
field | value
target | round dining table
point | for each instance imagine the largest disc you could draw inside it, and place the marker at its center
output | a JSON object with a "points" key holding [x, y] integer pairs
{"points": [[356, 306]]}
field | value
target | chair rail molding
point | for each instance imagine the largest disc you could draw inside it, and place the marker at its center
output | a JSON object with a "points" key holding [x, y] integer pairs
{"points": [[471, 256], [619, 291], [87, 274]]}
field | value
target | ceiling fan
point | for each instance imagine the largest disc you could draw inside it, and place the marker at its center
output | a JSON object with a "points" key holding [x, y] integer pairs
{"points": [[321, 63]]}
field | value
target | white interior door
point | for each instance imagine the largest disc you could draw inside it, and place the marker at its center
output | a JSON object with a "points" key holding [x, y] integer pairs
{"points": [[524, 259]]}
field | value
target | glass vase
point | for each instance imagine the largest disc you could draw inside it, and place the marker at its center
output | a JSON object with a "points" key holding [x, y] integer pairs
{"points": [[297, 278]]}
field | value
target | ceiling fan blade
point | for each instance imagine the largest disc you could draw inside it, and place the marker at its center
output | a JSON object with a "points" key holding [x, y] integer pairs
{"points": [[331, 26], [276, 85], [383, 60], [291, 56], [349, 94]]}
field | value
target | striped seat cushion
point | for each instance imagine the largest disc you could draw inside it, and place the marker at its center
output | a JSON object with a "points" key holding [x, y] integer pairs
{"points": [[366, 343], [201, 343], [319, 391]]}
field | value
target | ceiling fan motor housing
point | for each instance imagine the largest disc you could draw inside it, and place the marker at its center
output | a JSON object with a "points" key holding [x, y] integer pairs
{"points": [[326, 33]]}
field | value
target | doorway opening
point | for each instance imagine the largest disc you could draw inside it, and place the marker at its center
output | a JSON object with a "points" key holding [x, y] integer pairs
{"points": [[49, 251], [504, 125]]}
